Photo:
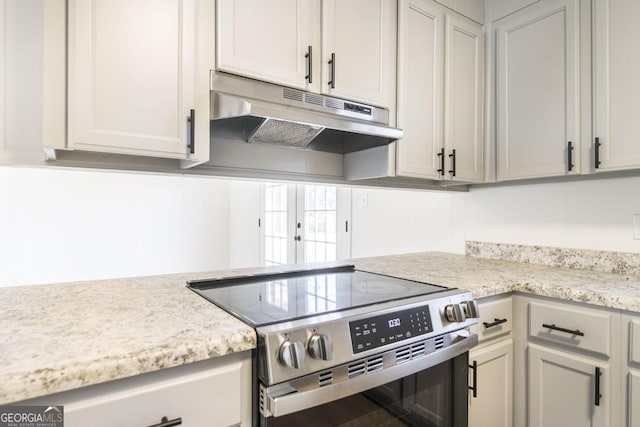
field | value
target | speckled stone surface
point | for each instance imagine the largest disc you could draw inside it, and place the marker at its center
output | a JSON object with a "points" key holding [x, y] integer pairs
{"points": [[65, 336], [581, 259], [487, 277]]}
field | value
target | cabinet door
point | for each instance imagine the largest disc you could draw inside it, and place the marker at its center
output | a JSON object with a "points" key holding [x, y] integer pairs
{"points": [[136, 70], [633, 399], [563, 389], [420, 103], [616, 91], [463, 99], [492, 405], [361, 36], [538, 91], [270, 41]]}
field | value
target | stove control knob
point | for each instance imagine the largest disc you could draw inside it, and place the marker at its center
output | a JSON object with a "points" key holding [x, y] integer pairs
{"points": [[320, 347], [291, 354], [471, 309], [454, 313]]}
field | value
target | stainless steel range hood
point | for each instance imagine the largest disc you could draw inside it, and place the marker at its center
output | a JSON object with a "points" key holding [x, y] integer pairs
{"points": [[252, 111]]}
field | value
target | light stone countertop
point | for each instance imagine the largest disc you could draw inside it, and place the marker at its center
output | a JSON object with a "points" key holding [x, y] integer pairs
{"points": [[487, 277], [65, 336]]}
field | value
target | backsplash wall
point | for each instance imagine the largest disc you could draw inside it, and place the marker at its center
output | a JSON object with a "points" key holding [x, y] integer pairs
{"points": [[60, 225], [66, 225], [593, 214]]}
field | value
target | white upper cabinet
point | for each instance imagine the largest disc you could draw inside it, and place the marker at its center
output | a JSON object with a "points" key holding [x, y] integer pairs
{"points": [[440, 93], [345, 49], [463, 99], [616, 91], [538, 91], [359, 50], [420, 94], [473, 9], [497, 9], [273, 41], [136, 71]]}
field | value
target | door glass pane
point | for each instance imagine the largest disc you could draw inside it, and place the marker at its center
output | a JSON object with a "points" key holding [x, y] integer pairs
{"points": [[320, 215], [275, 224]]}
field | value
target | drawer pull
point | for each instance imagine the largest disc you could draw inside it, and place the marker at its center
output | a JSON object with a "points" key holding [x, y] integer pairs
{"points": [[165, 422], [558, 328], [495, 322]]}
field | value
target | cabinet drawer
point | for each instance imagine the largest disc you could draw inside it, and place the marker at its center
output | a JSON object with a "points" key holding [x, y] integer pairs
{"points": [[563, 324], [495, 318], [205, 399], [634, 341]]}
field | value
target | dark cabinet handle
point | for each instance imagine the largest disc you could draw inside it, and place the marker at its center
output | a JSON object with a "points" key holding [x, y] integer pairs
{"points": [[452, 156], [474, 387], [596, 154], [495, 322], [568, 331], [309, 57], [297, 238], [441, 159], [597, 380], [168, 423], [570, 156], [332, 70], [192, 131]]}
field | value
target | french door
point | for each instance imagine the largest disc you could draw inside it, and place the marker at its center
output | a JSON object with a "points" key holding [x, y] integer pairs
{"points": [[304, 223]]}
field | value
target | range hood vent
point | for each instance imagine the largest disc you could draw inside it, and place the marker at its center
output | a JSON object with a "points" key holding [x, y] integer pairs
{"points": [[252, 111]]}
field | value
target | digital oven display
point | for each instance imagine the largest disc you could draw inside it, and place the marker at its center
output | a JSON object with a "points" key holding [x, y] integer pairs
{"points": [[377, 331]]}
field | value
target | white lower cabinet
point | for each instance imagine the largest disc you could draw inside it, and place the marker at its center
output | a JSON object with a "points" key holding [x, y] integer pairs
{"points": [[567, 389], [213, 393], [567, 364], [632, 414], [630, 379], [492, 403]]}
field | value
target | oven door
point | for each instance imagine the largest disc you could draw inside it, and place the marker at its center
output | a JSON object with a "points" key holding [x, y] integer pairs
{"points": [[435, 395]]}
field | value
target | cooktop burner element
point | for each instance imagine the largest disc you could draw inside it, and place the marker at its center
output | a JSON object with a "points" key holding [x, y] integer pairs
{"points": [[275, 298]]}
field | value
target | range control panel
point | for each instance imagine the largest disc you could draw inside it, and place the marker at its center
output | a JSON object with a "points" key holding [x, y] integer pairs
{"points": [[377, 331]]}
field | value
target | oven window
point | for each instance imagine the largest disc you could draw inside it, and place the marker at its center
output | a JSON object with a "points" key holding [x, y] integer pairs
{"points": [[436, 397]]}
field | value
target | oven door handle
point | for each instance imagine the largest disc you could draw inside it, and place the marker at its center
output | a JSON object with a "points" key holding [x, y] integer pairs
{"points": [[299, 400]]}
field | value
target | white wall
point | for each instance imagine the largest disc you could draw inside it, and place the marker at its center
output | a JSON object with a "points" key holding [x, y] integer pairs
{"points": [[60, 225], [64, 225], [399, 221], [592, 214]]}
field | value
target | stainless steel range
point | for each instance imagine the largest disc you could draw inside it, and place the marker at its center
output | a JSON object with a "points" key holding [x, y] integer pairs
{"points": [[339, 346]]}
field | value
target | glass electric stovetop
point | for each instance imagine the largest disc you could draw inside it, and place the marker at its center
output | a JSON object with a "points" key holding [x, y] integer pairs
{"points": [[273, 298]]}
